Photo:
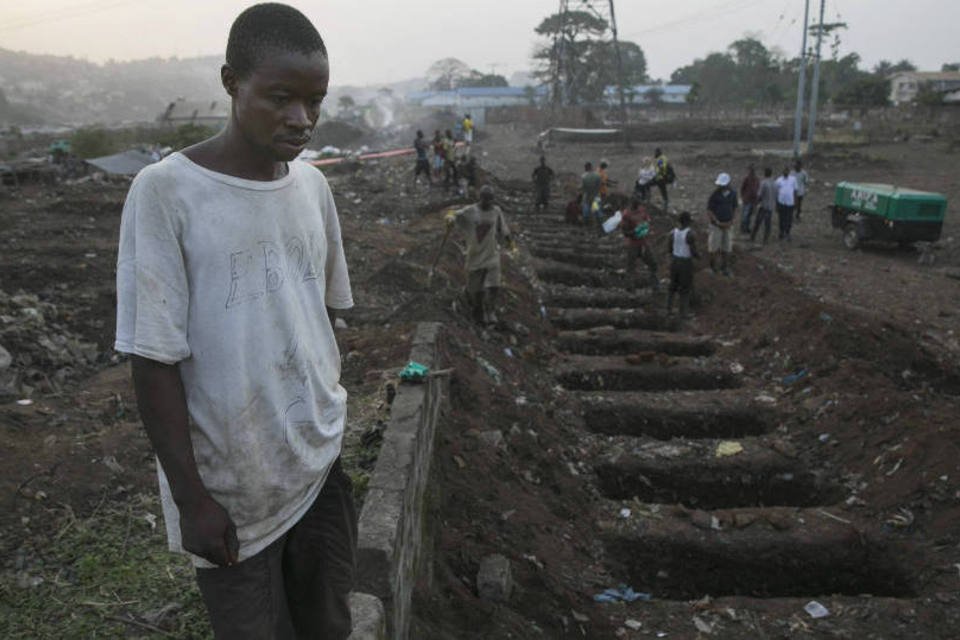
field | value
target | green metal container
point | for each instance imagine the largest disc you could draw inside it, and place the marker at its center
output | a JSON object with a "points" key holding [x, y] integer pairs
{"points": [[867, 211]]}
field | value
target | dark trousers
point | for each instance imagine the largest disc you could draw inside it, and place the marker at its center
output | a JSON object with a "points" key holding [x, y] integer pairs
{"points": [[297, 588], [662, 187], [762, 218], [643, 253], [785, 217], [681, 275]]}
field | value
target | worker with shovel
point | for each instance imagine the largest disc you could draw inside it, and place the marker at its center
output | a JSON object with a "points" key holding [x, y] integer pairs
{"points": [[484, 226]]}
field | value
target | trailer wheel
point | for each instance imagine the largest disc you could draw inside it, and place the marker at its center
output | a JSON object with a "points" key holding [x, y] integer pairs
{"points": [[851, 236]]}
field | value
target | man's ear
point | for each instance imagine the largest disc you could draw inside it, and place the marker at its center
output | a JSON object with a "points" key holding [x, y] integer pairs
{"points": [[229, 80]]}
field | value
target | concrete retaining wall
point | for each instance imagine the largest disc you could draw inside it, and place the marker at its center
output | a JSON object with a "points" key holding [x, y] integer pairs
{"points": [[391, 521]]}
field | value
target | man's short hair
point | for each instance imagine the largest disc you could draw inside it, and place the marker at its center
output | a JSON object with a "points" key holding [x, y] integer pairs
{"points": [[270, 28], [685, 218], [588, 166]]}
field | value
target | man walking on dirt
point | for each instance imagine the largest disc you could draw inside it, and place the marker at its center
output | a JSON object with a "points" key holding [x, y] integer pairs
{"points": [[682, 248], [467, 133], [542, 179], [802, 180], [484, 225], [663, 176], [766, 203], [422, 162], [749, 192], [605, 181], [635, 225], [786, 201], [230, 271], [721, 209], [590, 190]]}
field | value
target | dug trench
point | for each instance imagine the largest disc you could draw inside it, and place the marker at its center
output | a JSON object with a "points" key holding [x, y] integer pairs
{"points": [[729, 469]]}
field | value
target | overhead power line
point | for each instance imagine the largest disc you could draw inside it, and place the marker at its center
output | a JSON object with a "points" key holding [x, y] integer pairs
{"points": [[77, 11]]}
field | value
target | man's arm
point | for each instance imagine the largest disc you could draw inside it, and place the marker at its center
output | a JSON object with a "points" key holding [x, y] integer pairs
{"points": [[332, 316], [205, 526], [692, 242]]}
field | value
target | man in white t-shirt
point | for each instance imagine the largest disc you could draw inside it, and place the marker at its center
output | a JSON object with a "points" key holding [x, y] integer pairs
{"points": [[786, 200], [230, 269], [803, 180]]}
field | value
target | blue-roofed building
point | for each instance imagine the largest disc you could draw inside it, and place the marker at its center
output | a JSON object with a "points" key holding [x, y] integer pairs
{"points": [[643, 94], [476, 100]]}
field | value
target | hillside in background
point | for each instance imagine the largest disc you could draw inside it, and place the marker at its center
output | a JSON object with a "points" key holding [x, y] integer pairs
{"points": [[42, 89], [55, 90]]}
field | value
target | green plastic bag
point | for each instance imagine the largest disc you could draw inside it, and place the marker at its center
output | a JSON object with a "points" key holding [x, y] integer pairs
{"points": [[414, 372], [642, 230]]}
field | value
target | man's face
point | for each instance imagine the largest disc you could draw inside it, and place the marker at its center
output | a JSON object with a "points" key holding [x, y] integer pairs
{"points": [[278, 104], [486, 200]]}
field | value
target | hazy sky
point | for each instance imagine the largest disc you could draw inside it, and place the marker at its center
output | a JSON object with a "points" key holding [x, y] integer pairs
{"points": [[374, 41]]}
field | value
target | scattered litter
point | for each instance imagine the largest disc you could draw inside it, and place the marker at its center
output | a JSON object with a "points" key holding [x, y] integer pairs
{"points": [[661, 634], [532, 559], [543, 312], [611, 223], [460, 462], [491, 370], [799, 374], [816, 610], [827, 514], [507, 351], [896, 467], [25, 402], [766, 399], [625, 513], [729, 448], [630, 623], [579, 617], [151, 520], [506, 515], [702, 625], [112, 464], [736, 368], [623, 593], [902, 519], [520, 401], [823, 437], [826, 317]]}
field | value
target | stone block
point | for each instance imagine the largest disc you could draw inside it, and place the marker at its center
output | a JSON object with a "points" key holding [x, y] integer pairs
{"points": [[369, 618], [495, 579]]}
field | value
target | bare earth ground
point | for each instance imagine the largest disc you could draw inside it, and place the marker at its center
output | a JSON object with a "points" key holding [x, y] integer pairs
{"points": [[82, 546]]}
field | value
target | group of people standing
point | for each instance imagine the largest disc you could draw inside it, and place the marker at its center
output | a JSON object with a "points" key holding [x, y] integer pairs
{"points": [[760, 198], [455, 170]]}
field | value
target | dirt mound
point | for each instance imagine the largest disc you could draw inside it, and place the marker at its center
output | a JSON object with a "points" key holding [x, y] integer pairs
{"points": [[336, 133]]}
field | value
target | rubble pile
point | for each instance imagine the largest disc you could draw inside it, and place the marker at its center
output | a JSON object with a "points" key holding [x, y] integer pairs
{"points": [[38, 353]]}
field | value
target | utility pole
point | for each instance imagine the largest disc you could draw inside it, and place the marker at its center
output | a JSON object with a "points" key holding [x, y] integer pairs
{"points": [[623, 100], [801, 88], [815, 90]]}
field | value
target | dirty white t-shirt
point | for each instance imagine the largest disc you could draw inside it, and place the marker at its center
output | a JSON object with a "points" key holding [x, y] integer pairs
{"points": [[230, 278]]}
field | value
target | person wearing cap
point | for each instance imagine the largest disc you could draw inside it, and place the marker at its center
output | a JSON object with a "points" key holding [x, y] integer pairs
{"points": [[721, 209], [484, 226]]}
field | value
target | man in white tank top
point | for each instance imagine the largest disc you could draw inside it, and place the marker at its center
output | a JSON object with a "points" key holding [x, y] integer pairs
{"points": [[683, 250]]}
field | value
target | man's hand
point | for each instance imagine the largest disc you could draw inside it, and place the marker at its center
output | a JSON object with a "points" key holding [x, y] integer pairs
{"points": [[206, 530], [450, 217]]}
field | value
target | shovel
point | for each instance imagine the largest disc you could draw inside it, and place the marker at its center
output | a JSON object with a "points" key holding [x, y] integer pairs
{"points": [[443, 243]]}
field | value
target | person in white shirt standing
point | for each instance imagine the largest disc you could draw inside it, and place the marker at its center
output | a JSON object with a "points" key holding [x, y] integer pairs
{"points": [[803, 181], [230, 271], [786, 201]]}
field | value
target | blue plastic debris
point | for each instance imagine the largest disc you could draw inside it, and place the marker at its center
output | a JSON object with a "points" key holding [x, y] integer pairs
{"points": [[793, 377], [623, 593]]}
